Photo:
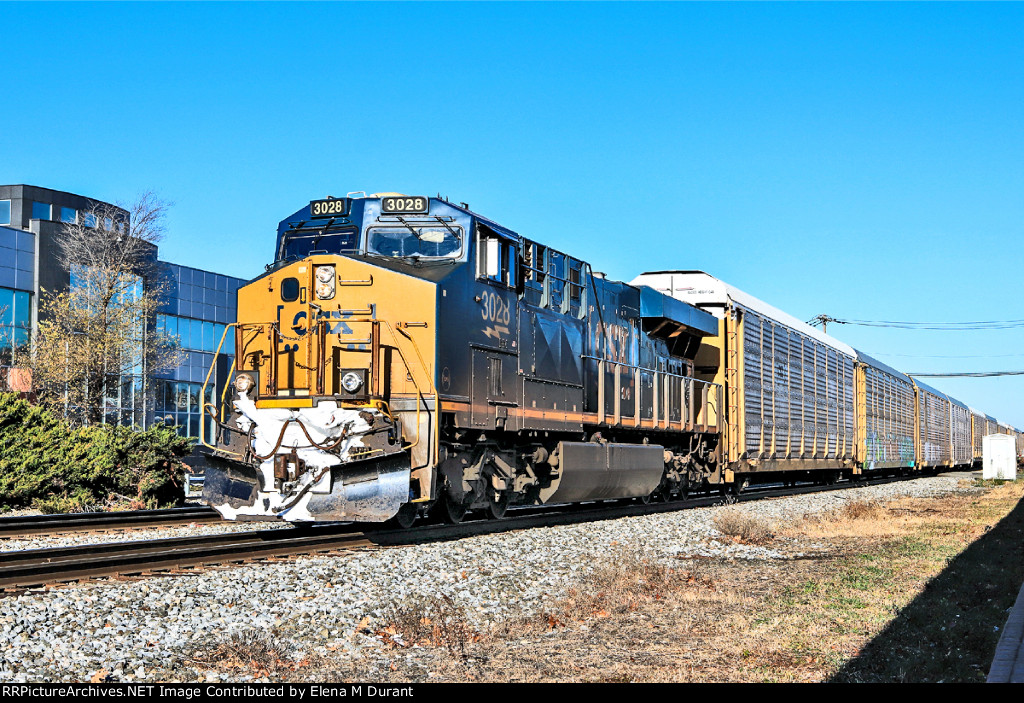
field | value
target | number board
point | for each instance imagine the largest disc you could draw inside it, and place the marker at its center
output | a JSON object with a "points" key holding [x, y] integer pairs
{"points": [[404, 205], [332, 207]]}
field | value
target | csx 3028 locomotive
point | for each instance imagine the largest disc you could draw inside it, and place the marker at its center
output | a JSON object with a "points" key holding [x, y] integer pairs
{"points": [[405, 354]]}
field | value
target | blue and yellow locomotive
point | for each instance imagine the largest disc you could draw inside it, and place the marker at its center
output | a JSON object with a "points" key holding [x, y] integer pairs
{"points": [[405, 354]]}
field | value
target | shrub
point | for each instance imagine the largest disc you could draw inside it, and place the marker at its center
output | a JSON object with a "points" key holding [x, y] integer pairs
{"points": [[44, 463]]}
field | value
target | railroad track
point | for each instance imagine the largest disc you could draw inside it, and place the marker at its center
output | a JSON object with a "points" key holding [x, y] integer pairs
{"points": [[38, 567], [20, 526]]}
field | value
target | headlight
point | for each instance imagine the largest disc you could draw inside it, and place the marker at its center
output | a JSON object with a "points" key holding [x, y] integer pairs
{"points": [[243, 382], [351, 382], [325, 281]]}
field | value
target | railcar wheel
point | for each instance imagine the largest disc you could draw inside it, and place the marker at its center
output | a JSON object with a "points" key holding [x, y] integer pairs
{"points": [[406, 516]]}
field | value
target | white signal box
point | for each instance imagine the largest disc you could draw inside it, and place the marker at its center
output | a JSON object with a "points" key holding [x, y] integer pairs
{"points": [[998, 457]]}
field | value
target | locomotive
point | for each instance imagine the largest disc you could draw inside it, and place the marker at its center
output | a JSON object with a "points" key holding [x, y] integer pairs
{"points": [[405, 355]]}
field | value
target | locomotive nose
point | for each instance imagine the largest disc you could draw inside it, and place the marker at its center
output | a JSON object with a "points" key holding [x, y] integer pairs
{"points": [[333, 396]]}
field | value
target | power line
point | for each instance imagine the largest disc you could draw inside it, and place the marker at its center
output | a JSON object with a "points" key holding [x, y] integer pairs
{"points": [[903, 324], [968, 374], [948, 356]]}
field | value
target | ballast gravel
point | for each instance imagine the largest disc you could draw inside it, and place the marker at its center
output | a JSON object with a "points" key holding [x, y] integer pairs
{"points": [[148, 629]]}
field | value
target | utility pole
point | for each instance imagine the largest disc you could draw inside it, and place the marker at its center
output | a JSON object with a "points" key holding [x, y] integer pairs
{"points": [[822, 320]]}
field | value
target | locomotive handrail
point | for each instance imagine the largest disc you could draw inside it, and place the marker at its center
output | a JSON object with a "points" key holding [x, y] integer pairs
{"points": [[206, 382], [644, 368], [419, 392], [688, 414], [398, 346]]}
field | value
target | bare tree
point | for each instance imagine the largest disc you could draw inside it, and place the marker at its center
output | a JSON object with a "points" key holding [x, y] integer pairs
{"points": [[96, 343], [117, 239]]}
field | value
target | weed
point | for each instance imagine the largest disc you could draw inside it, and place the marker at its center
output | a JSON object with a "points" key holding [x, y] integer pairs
{"points": [[743, 528], [440, 622], [257, 652], [862, 510]]}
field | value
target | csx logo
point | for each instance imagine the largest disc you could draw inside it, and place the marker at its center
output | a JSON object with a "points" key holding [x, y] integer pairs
{"points": [[300, 326]]}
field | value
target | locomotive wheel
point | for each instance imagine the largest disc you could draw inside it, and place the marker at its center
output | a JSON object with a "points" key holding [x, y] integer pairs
{"points": [[406, 516], [661, 494], [452, 511], [497, 504]]}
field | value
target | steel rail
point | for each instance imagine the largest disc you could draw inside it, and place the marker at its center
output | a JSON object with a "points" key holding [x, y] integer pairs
{"points": [[22, 525], [37, 567]]}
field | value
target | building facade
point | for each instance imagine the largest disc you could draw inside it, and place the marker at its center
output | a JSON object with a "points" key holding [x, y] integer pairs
{"points": [[197, 305]]}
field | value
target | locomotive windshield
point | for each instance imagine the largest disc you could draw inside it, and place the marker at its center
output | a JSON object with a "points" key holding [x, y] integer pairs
{"points": [[303, 242], [429, 241]]}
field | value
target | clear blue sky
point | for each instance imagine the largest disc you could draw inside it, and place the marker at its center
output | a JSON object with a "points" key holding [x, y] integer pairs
{"points": [[860, 160]]}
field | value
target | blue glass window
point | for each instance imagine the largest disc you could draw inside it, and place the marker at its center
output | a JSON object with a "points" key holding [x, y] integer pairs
{"points": [[6, 306], [69, 214], [218, 334], [89, 219], [195, 334], [15, 318], [5, 212], [41, 211], [22, 315]]}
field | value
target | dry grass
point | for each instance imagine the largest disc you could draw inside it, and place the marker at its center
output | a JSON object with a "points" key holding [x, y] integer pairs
{"points": [[625, 583], [258, 653], [438, 622], [743, 528], [862, 510]]}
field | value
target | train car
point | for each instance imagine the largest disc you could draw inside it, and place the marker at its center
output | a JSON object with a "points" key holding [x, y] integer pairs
{"points": [[977, 432], [404, 354], [790, 387], [991, 425], [933, 431], [885, 416], [961, 450]]}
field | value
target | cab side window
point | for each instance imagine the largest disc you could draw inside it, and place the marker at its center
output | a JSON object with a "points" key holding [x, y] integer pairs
{"points": [[534, 272], [496, 257]]}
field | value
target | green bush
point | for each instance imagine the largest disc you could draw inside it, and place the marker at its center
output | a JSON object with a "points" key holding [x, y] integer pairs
{"points": [[46, 464]]}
